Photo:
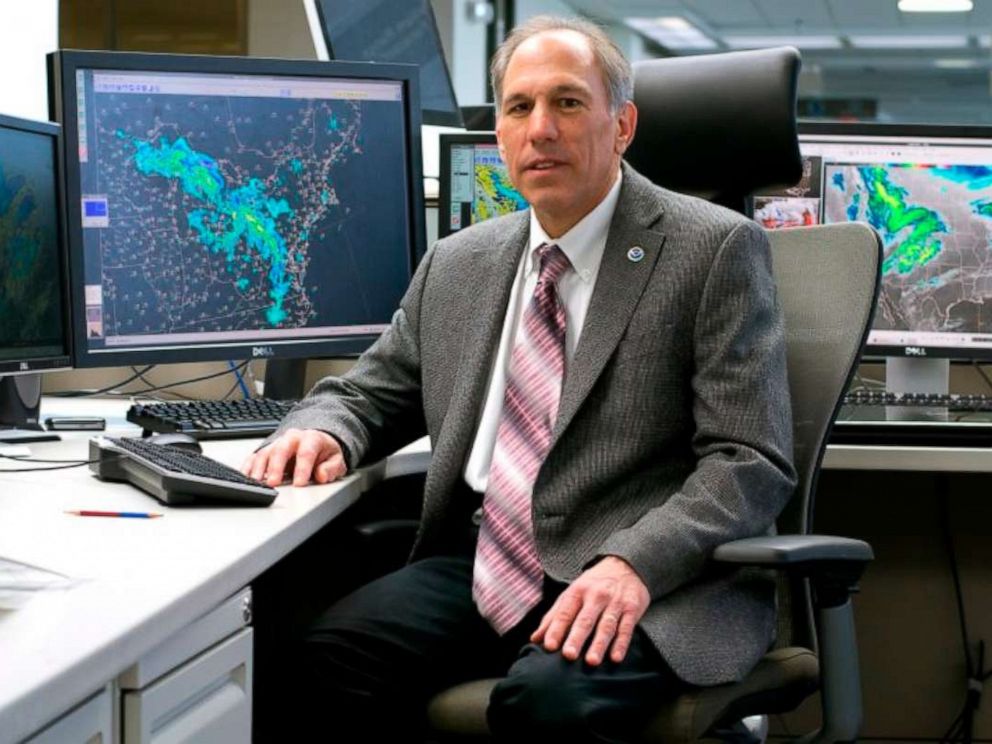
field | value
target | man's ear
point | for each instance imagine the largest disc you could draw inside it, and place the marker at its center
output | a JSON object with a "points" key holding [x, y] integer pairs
{"points": [[626, 126]]}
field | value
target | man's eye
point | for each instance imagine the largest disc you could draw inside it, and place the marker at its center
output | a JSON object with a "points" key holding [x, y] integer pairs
{"points": [[568, 103], [518, 108]]}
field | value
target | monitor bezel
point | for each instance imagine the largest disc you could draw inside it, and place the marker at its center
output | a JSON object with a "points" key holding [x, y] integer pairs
{"points": [[61, 361], [434, 117], [921, 132], [446, 143], [63, 66]]}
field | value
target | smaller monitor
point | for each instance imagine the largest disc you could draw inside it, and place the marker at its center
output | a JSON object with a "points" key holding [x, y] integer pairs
{"points": [[33, 324], [392, 31], [475, 184]]}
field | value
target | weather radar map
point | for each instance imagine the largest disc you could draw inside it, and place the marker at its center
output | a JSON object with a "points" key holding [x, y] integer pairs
{"points": [[30, 292], [480, 186], [936, 224], [214, 204]]}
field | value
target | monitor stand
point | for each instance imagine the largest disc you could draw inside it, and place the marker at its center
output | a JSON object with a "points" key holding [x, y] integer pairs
{"points": [[20, 406], [284, 379], [914, 375]]}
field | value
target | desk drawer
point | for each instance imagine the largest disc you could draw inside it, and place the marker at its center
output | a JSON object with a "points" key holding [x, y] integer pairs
{"points": [[91, 722], [206, 701], [228, 618]]}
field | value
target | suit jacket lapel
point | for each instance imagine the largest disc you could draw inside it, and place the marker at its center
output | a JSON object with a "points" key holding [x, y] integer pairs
{"points": [[619, 285], [494, 269]]}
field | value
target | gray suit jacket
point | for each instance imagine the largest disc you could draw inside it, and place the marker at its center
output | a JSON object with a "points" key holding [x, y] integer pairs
{"points": [[674, 428]]}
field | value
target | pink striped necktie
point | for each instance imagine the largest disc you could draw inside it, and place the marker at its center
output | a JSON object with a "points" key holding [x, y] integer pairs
{"points": [[508, 578]]}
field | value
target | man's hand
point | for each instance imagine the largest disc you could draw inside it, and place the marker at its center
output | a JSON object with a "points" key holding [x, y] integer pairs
{"points": [[315, 454], [608, 598]]}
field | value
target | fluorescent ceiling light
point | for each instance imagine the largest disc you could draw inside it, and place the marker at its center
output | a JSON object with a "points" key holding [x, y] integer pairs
{"points": [[908, 42], [672, 32], [802, 42], [935, 6], [955, 64]]}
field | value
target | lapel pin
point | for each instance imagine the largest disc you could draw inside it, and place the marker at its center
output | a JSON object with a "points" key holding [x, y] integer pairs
{"points": [[635, 254]]}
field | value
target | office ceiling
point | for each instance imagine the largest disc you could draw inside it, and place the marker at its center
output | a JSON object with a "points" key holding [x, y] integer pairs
{"points": [[937, 41]]}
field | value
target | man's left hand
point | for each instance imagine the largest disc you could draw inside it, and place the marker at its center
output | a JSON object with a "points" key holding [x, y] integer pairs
{"points": [[608, 599]]}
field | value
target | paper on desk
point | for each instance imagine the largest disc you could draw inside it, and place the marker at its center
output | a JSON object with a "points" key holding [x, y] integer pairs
{"points": [[19, 582]]}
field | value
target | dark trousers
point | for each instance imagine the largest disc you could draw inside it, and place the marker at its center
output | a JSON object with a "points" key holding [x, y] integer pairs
{"points": [[374, 659]]}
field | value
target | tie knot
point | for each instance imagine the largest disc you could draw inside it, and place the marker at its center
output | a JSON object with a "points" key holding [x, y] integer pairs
{"points": [[554, 262]]}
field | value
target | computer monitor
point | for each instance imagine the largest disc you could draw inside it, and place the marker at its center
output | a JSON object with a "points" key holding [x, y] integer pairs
{"points": [[391, 31], [232, 208], [33, 324], [928, 192], [475, 184]]}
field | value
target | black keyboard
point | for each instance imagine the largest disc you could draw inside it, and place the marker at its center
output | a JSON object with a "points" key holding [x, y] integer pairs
{"points": [[950, 401], [174, 476], [212, 419]]}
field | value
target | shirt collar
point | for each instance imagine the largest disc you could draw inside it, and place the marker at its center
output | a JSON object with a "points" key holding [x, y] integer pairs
{"points": [[584, 242]]}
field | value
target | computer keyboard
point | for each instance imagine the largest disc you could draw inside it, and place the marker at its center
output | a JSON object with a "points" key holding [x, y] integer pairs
{"points": [[212, 419], [950, 401], [174, 476]]}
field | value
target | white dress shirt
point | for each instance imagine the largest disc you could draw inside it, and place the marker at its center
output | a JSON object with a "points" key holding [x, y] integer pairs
{"points": [[584, 245]]}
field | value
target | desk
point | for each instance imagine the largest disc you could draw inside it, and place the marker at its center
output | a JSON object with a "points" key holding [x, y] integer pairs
{"points": [[142, 580], [146, 580]]}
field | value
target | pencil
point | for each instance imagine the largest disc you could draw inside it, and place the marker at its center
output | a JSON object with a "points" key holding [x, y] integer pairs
{"points": [[129, 515]]}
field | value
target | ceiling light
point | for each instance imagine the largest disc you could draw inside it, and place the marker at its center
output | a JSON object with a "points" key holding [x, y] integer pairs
{"points": [[908, 42], [802, 42], [935, 6], [955, 64], [672, 32]]}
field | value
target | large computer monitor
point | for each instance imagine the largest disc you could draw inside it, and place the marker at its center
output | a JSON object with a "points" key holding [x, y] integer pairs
{"points": [[33, 325], [391, 31], [475, 184], [231, 208], [928, 191]]}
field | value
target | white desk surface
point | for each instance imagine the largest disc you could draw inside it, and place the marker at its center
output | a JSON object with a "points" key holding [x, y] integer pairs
{"points": [[141, 580]]}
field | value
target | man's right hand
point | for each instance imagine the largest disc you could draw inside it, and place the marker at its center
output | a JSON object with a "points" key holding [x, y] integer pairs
{"points": [[314, 455]]}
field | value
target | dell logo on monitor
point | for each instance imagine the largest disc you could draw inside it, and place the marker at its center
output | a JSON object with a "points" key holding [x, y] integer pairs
{"points": [[917, 351], [24, 366], [258, 352]]}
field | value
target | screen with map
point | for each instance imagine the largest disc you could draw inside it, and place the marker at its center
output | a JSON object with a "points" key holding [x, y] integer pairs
{"points": [[226, 208], [475, 185], [928, 192], [32, 314]]}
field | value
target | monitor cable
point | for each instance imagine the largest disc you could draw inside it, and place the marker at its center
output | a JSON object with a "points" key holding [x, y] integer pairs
{"points": [[962, 729]]}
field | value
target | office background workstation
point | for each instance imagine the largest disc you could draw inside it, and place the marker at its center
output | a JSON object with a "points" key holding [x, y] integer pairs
{"points": [[912, 665]]}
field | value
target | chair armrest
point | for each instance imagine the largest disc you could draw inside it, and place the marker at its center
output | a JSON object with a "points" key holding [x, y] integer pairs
{"points": [[787, 552], [384, 529], [833, 565]]}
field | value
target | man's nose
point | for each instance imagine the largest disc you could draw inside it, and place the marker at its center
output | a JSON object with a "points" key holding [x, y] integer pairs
{"points": [[543, 124]]}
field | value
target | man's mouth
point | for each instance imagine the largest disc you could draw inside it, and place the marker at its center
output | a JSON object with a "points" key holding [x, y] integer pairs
{"points": [[543, 165]]}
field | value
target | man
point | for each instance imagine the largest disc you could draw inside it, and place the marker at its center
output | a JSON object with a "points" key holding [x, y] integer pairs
{"points": [[605, 376]]}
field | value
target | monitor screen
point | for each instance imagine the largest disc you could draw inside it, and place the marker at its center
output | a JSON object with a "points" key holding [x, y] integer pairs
{"points": [[394, 31], [223, 208], [928, 192], [33, 327], [475, 184]]}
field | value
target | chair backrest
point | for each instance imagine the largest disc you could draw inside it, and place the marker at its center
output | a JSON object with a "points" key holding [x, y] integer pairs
{"points": [[828, 280], [720, 126]]}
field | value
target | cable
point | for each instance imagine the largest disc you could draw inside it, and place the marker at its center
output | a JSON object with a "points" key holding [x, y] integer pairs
{"points": [[189, 381], [102, 391], [963, 727], [982, 372], [54, 467], [241, 380]]}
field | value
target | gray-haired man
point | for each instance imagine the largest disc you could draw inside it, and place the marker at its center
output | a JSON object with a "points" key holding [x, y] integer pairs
{"points": [[605, 376]]}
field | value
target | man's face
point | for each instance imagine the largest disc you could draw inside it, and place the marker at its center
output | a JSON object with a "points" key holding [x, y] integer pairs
{"points": [[555, 130]]}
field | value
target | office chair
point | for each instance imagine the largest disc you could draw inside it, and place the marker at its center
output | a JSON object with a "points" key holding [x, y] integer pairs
{"points": [[723, 126]]}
